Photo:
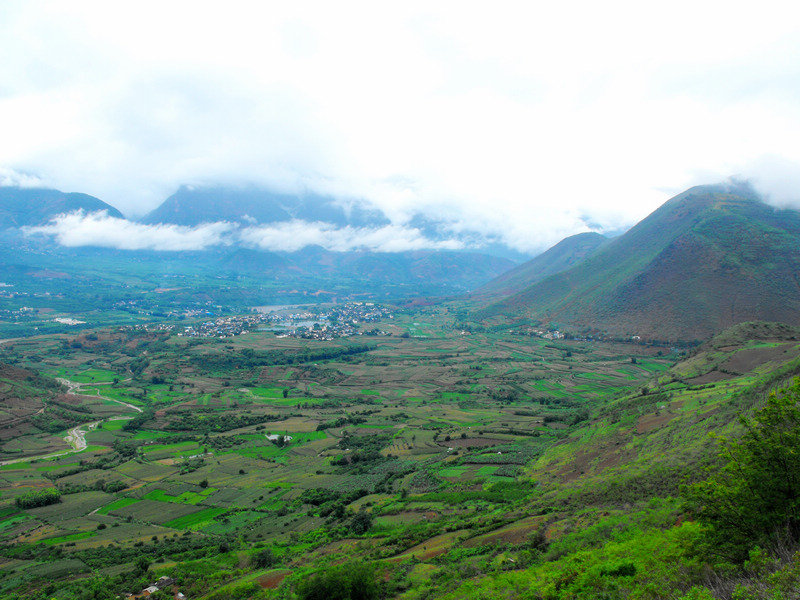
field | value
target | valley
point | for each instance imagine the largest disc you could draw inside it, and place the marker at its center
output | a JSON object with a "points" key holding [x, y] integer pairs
{"points": [[285, 431], [425, 450]]}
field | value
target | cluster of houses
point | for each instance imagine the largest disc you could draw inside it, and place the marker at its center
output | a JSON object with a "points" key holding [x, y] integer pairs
{"points": [[223, 327], [360, 312], [148, 327], [533, 332], [163, 583], [341, 320]]}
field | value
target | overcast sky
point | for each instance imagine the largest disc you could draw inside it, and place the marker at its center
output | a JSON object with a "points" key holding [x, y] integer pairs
{"points": [[527, 120]]}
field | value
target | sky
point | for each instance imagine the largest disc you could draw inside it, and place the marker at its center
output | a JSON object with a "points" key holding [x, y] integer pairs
{"points": [[523, 122]]}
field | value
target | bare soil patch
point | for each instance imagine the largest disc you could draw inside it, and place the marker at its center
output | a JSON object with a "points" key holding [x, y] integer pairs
{"points": [[653, 421], [271, 581], [710, 377], [13, 373], [746, 360]]}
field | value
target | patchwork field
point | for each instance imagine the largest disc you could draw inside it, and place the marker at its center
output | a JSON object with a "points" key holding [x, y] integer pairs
{"points": [[402, 449]]}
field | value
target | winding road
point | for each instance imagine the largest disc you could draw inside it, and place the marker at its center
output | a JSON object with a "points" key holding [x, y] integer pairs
{"points": [[76, 437]]}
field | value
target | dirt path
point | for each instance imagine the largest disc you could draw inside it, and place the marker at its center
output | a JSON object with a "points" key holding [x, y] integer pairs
{"points": [[75, 388], [76, 437]]}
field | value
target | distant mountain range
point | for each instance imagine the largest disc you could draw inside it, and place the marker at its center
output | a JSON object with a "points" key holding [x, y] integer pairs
{"points": [[249, 205], [311, 268], [707, 259]]}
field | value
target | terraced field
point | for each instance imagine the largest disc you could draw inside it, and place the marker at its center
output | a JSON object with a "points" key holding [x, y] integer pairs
{"points": [[409, 450]]}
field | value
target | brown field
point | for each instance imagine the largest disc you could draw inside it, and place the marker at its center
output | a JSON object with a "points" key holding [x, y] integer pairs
{"points": [[273, 579]]}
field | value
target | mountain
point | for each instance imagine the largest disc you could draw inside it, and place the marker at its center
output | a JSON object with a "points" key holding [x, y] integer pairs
{"points": [[21, 207], [249, 205], [252, 206], [707, 259], [560, 257], [448, 271]]}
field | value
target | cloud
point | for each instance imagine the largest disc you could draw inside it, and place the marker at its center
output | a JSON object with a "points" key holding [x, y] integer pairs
{"points": [[548, 118], [777, 179], [11, 178], [295, 235], [100, 230]]}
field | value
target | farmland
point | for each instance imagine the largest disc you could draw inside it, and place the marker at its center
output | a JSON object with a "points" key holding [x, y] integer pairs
{"points": [[407, 450]]}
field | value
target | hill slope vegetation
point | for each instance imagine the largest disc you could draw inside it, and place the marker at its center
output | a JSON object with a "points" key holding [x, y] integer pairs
{"points": [[567, 253], [707, 259]]}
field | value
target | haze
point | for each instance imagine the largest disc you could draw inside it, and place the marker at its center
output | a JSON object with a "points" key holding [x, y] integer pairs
{"points": [[525, 122]]}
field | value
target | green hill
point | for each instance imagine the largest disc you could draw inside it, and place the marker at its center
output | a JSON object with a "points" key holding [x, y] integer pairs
{"points": [[707, 259], [567, 253]]}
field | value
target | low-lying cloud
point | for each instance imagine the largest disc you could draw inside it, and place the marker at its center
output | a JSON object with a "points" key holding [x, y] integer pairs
{"points": [[295, 235], [98, 229]]}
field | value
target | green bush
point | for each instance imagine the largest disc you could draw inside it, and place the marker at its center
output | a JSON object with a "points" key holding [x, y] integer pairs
{"points": [[353, 581], [37, 498], [755, 498]]}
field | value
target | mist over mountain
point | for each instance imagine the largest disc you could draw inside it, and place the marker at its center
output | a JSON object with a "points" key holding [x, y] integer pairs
{"points": [[191, 206], [707, 259], [25, 207], [275, 221], [300, 243]]}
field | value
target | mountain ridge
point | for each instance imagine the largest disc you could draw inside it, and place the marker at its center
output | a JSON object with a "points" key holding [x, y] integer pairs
{"points": [[705, 260], [563, 255]]}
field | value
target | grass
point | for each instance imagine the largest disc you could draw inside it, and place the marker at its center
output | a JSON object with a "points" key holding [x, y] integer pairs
{"points": [[117, 504], [74, 537], [185, 498], [196, 520]]}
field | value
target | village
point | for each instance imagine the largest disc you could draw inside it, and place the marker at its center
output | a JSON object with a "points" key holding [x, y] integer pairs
{"points": [[343, 320], [328, 323]]}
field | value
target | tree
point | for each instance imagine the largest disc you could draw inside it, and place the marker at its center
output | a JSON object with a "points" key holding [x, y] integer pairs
{"points": [[263, 559], [361, 522], [141, 566], [754, 500], [353, 581], [37, 498]]}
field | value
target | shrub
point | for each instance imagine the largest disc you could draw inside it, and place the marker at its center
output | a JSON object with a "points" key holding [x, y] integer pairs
{"points": [[353, 581]]}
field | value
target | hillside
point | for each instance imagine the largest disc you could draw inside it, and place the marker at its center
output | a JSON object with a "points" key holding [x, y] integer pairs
{"points": [[567, 253], [707, 259], [20, 207]]}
